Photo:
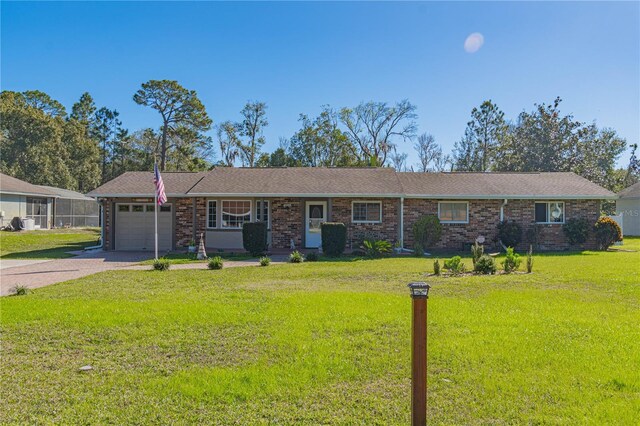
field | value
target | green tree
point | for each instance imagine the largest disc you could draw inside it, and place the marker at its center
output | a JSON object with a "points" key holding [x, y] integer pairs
{"points": [[320, 142], [84, 111], [476, 151], [43, 102], [229, 143], [375, 127], [107, 127], [84, 156], [253, 122], [544, 140], [31, 140], [179, 108]]}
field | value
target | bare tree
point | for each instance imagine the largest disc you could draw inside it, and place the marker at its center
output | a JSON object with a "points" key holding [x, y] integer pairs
{"points": [[429, 153], [399, 160], [374, 128], [229, 143], [254, 121]]}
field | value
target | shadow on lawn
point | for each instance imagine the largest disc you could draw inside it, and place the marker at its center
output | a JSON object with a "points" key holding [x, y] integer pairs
{"points": [[59, 252]]}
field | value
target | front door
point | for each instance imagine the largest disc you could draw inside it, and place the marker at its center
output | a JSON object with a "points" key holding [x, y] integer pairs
{"points": [[315, 215]]}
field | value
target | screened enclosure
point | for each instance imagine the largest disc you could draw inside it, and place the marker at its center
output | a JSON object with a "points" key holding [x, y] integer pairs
{"points": [[76, 213]]}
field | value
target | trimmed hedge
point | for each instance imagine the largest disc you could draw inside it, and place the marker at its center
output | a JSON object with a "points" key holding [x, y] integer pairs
{"points": [[576, 230], [254, 237], [510, 233], [334, 238], [607, 232], [426, 233]]}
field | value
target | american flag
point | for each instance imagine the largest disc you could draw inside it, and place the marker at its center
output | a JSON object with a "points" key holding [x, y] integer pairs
{"points": [[157, 179]]}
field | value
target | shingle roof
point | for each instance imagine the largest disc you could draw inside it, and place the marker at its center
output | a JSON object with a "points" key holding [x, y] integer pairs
{"points": [[299, 181], [11, 185], [65, 193], [319, 181], [141, 184], [631, 192], [499, 184]]}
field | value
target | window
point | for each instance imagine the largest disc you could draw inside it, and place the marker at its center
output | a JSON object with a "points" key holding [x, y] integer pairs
{"points": [[150, 208], [366, 212], [549, 212], [123, 207], [165, 208], [453, 212], [212, 211], [262, 212], [137, 208], [235, 213]]}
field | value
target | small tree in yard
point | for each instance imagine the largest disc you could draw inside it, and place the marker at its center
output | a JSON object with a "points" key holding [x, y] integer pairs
{"points": [[426, 232], [576, 230], [334, 238], [254, 237], [607, 232]]}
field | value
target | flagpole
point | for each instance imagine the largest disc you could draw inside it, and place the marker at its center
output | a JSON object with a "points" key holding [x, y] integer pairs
{"points": [[155, 209]]}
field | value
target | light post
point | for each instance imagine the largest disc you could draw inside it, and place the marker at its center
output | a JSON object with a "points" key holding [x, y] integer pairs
{"points": [[419, 296]]}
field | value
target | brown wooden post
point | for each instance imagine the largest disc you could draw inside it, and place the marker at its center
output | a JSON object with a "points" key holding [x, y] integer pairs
{"points": [[419, 296]]}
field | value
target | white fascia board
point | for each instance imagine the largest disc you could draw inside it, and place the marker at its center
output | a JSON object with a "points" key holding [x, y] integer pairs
{"points": [[30, 194], [513, 197]]}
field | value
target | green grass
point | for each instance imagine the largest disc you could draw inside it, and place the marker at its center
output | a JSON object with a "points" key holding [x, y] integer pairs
{"points": [[328, 343], [46, 244], [182, 258]]}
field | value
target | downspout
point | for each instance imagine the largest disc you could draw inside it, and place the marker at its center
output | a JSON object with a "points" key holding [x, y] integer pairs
{"points": [[99, 246], [504, 203], [401, 224]]}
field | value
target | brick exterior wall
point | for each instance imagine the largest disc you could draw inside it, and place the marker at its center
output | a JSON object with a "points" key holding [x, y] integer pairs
{"points": [[287, 222], [108, 206], [356, 232], [551, 236], [484, 216], [184, 221]]}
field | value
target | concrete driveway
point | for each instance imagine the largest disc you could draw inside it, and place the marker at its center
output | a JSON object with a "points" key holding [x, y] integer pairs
{"points": [[40, 273]]}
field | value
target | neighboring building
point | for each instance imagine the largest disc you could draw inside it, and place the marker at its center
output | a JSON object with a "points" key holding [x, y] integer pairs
{"points": [[372, 202], [628, 205], [47, 206]]}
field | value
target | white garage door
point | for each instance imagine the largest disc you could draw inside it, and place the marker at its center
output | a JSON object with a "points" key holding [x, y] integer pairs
{"points": [[135, 227]]}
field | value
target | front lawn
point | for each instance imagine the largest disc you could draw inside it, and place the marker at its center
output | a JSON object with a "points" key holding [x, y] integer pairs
{"points": [[46, 244], [328, 343]]}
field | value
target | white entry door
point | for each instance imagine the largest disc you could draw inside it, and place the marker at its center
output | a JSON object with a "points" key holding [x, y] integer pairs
{"points": [[316, 214]]}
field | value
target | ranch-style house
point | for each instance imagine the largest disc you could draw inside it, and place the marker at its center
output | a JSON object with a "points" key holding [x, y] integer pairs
{"points": [[375, 203]]}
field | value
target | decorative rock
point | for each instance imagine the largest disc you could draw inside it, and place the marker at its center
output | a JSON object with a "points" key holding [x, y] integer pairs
{"points": [[85, 368], [202, 254]]}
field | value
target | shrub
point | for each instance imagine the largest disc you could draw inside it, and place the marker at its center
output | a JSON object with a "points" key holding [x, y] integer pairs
{"points": [[296, 257], [576, 230], [533, 234], [20, 290], [161, 264], [607, 232], [436, 267], [454, 265], [426, 232], [485, 265], [254, 237], [375, 248], [512, 261], [530, 259], [311, 257], [510, 233], [215, 263], [477, 250], [265, 261], [334, 238]]}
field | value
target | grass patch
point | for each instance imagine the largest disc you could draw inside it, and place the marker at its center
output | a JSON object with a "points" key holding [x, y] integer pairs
{"points": [[182, 258], [46, 244], [328, 343]]}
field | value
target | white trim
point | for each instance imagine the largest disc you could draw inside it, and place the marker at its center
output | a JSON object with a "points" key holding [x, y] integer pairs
{"points": [[215, 220], [453, 202], [268, 212], [547, 202], [366, 202], [325, 195], [235, 228]]}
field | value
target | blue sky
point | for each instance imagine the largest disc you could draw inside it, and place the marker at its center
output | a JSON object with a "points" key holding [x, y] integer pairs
{"points": [[299, 56]]}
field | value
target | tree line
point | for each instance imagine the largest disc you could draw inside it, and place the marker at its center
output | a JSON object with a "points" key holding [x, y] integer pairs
{"points": [[41, 143]]}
